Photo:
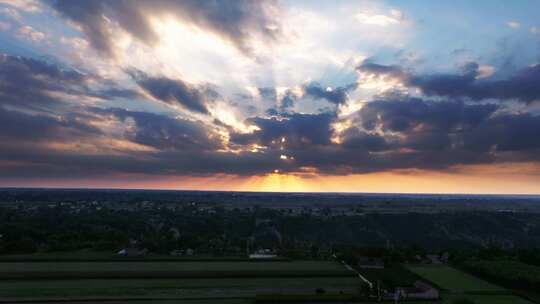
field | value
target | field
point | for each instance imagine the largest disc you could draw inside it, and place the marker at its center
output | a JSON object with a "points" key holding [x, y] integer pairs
{"points": [[184, 287], [188, 280], [391, 276], [451, 279], [456, 284], [488, 299], [190, 269], [509, 273]]}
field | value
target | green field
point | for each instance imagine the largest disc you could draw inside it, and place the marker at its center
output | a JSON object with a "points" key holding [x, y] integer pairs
{"points": [[179, 287], [209, 281], [171, 266], [71, 270], [100, 256], [453, 280], [391, 276], [487, 299]]}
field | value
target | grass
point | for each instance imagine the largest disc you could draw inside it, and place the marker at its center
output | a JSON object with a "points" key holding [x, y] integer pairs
{"points": [[50, 280], [108, 256], [451, 279], [280, 298], [167, 269], [170, 266], [49, 288], [391, 276], [487, 299]]}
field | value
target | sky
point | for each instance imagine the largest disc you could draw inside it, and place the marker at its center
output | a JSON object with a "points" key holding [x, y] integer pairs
{"points": [[268, 95]]}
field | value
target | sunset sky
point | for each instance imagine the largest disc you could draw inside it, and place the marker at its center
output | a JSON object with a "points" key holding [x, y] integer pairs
{"points": [[356, 96]]}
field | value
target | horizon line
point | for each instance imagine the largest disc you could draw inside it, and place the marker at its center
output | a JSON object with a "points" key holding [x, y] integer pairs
{"points": [[271, 192]]}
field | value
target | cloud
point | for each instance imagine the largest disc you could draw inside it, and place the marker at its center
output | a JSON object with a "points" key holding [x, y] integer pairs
{"points": [[473, 82], [412, 114], [31, 83], [354, 138], [4, 26], [166, 133], [173, 91], [332, 95], [394, 17], [30, 33], [11, 13], [297, 130], [386, 135], [513, 24], [451, 125], [50, 136], [238, 21], [17, 127], [31, 6], [485, 71]]}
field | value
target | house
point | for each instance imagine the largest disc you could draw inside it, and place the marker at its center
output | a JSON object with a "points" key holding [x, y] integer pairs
{"points": [[178, 252], [370, 263], [182, 252], [132, 252], [433, 259], [263, 254], [420, 291]]}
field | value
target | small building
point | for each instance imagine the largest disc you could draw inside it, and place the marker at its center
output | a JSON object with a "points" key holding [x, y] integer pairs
{"points": [[433, 259], [420, 291], [132, 252], [178, 252], [263, 254], [370, 263]]}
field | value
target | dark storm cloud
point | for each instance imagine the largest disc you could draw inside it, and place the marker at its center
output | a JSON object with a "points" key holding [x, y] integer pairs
{"points": [[17, 127], [335, 160], [452, 126], [477, 134], [235, 20], [406, 115], [284, 104], [173, 91], [524, 85], [166, 133], [336, 96], [26, 82], [268, 93], [299, 130], [354, 138], [114, 92], [391, 70], [44, 163], [288, 100], [397, 132], [517, 132]]}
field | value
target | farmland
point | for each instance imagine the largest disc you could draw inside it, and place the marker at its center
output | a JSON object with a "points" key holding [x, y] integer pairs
{"points": [[459, 285], [453, 280], [509, 273], [118, 270], [487, 299], [231, 282], [390, 277], [178, 280]]}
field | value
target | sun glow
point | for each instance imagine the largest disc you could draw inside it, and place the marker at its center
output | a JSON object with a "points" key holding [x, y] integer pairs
{"points": [[194, 53]]}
